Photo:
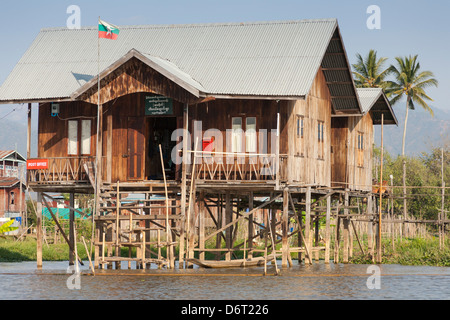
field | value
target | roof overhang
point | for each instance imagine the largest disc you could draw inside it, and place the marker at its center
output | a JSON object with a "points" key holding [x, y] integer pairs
{"points": [[338, 76], [163, 66], [375, 102]]}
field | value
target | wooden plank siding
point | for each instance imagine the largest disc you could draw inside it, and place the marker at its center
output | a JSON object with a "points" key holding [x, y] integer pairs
{"points": [[326, 152], [352, 167], [132, 77], [309, 162]]}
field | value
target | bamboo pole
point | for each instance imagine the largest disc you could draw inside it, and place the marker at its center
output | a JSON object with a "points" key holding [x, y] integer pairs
{"points": [[379, 249], [191, 191], [167, 208], [327, 231], [89, 255]]}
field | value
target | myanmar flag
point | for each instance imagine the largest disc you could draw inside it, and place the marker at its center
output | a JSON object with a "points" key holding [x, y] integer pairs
{"points": [[107, 31]]}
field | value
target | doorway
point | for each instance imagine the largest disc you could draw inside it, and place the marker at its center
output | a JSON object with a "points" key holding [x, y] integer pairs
{"points": [[160, 131]]}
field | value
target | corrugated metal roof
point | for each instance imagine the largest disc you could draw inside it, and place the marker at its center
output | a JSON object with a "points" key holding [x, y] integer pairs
{"points": [[374, 99], [279, 58], [368, 97]]}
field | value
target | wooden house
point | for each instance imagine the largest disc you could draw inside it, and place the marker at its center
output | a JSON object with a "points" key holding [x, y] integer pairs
{"points": [[265, 108], [12, 188]]}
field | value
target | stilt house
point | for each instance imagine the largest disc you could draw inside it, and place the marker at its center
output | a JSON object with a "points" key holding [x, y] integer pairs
{"points": [[196, 111]]}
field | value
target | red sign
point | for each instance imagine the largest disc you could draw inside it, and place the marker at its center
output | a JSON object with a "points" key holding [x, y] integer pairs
{"points": [[35, 164]]}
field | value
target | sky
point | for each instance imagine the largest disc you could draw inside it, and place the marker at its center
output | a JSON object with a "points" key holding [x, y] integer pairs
{"points": [[407, 27]]}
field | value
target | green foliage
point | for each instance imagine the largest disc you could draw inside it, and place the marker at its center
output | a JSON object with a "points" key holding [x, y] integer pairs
{"points": [[421, 172]]}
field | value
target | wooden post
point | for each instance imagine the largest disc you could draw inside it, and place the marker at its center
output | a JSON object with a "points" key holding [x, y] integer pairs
{"points": [[39, 231], [379, 249], [183, 184], [109, 134], [346, 230], [219, 224], [229, 230], [284, 228], [118, 223], [442, 214], [337, 235], [201, 227], [71, 229], [370, 226], [327, 231], [308, 239], [168, 233], [250, 226], [300, 240]]}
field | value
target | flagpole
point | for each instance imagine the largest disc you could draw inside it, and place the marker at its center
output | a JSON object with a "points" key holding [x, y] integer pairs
{"points": [[98, 129]]}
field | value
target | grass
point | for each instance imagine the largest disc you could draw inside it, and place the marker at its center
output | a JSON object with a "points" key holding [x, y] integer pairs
{"points": [[418, 251], [12, 251]]}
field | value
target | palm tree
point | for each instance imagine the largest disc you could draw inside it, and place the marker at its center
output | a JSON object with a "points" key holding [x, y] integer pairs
{"points": [[411, 83], [368, 72]]}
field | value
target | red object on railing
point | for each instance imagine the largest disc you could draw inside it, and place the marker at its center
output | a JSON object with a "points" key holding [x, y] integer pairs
{"points": [[35, 164]]}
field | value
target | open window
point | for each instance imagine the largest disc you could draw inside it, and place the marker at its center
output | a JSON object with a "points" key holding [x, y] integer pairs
{"points": [[300, 134], [360, 150], [321, 139]]}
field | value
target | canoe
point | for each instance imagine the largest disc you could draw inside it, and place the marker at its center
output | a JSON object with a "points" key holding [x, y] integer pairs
{"points": [[237, 263]]}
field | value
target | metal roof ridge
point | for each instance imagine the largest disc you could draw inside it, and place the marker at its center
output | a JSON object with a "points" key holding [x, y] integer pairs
{"points": [[213, 24]]}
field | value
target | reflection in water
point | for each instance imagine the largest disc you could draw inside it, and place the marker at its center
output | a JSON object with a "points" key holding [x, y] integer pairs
{"points": [[318, 281]]}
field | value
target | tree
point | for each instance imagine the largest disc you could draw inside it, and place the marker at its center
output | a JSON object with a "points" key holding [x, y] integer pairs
{"points": [[411, 83], [369, 72]]}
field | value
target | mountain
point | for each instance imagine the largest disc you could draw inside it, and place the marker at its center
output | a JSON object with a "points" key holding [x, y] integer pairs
{"points": [[423, 132]]}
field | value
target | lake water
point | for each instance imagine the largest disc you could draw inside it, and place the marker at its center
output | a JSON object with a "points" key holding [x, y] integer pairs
{"points": [[316, 282]]}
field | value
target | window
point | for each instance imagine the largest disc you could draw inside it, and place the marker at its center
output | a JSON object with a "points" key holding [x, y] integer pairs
{"points": [[320, 135], [250, 135], [86, 136], [73, 137], [236, 134], [360, 149], [75, 147], [12, 197], [300, 134]]}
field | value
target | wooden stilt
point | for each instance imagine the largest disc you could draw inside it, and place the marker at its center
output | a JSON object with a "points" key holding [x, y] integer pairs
{"points": [[201, 226], [250, 226], [308, 238], [327, 231], [39, 231], [346, 230], [284, 228], [71, 229], [228, 220]]}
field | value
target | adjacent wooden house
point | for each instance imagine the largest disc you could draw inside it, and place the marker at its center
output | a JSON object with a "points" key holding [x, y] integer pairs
{"points": [[218, 111]]}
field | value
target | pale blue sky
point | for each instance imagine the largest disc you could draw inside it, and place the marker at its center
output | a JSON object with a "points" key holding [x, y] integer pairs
{"points": [[407, 26]]}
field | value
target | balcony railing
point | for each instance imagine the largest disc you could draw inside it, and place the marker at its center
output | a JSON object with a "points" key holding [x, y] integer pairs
{"points": [[62, 170], [229, 166]]}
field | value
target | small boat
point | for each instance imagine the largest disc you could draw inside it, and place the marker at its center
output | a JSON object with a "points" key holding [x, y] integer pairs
{"points": [[237, 263]]}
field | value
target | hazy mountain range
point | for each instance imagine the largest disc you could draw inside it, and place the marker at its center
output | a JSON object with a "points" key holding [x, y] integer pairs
{"points": [[423, 130]]}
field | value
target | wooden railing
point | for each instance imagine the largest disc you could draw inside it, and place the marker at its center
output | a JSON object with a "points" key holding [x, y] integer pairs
{"points": [[228, 166], [62, 170]]}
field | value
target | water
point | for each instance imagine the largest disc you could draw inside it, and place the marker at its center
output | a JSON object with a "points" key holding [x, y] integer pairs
{"points": [[316, 282]]}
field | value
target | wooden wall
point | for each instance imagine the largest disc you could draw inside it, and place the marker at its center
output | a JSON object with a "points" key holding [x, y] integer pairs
{"points": [[352, 168], [133, 77], [53, 131], [360, 176], [306, 163]]}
